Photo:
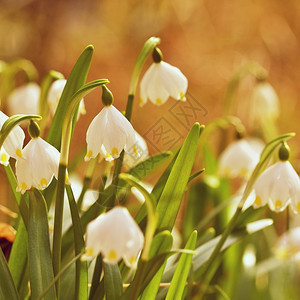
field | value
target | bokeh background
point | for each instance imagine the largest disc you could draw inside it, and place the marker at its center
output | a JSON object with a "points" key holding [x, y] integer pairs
{"points": [[207, 40]]}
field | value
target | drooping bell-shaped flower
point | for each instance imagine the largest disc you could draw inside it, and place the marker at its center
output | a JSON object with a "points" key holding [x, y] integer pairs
{"points": [[278, 186], [54, 94], [162, 81], [13, 144], [116, 235], [265, 102], [39, 163], [238, 159], [24, 99], [109, 132]]}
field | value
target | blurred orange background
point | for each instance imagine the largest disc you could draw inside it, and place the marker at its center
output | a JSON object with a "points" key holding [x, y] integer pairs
{"points": [[207, 39]]}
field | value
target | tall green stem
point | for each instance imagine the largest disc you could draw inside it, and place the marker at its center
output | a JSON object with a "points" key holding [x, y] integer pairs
{"points": [[58, 219]]}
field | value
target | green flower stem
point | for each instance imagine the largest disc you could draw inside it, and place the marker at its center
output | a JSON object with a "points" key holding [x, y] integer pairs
{"points": [[86, 181], [149, 45], [96, 276], [218, 248], [58, 220]]}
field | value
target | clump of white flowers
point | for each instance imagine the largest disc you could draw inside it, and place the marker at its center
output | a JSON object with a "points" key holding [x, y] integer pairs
{"points": [[162, 81], [116, 235]]}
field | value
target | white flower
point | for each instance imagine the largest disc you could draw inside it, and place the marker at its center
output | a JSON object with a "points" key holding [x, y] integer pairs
{"points": [[13, 144], [109, 133], [116, 235], [137, 153], [54, 94], [24, 99], [265, 102], [238, 159], [37, 167], [278, 185], [162, 81]]}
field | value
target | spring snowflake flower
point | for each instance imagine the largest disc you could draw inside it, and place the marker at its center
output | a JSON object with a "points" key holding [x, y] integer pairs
{"points": [[109, 133], [265, 102], [238, 159], [55, 93], [24, 99], [162, 81], [279, 185], [13, 144], [116, 235], [38, 165]]}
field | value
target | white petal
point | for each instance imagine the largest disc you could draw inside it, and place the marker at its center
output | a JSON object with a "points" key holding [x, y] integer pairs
{"points": [[95, 133], [238, 159], [4, 157], [174, 81], [13, 144], [24, 100], [54, 94]]}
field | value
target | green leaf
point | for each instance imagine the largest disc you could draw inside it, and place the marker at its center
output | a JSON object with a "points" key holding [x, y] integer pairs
{"points": [[75, 80], [13, 121], [171, 197], [7, 286], [18, 256], [144, 274], [182, 271], [152, 219], [81, 282], [112, 282], [162, 243], [13, 182], [41, 272]]}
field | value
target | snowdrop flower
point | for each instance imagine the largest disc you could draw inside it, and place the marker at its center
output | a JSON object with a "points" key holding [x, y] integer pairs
{"points": [[265, 102], [238, 160], [116, 235], [162, 81], [24, 99], [137, 153], [54, 94], [278, 185], [109, 132], [39, 163], [13, 144]]}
